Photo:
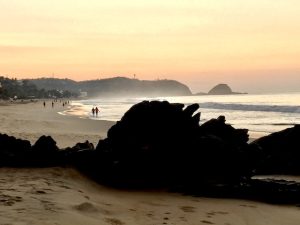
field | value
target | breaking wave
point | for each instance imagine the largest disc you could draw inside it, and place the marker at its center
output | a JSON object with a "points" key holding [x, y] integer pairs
{"points": [[248, 107]]}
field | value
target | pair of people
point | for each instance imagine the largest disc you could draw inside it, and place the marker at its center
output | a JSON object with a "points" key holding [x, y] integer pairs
{"points": [[95, 111]]}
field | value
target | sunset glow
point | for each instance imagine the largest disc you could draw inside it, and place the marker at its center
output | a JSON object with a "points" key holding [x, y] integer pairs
{"points": [[249, 44]]}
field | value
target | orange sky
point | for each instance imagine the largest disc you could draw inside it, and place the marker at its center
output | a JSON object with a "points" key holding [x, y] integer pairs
{"points": [[252, 45]]}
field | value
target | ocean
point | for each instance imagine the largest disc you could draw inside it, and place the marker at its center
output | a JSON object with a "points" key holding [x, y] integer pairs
{"points": [[261, 114]]}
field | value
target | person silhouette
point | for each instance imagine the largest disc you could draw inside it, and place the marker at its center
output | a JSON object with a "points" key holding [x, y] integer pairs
{"points": [[97, 110], [93, 111]]}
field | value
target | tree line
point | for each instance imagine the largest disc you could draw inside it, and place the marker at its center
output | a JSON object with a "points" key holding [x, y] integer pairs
{"points": [[23, 89]]}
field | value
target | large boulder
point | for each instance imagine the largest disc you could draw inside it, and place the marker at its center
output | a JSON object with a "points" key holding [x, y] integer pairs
{"points": [[45, 153], [12, 150], [232, 158], [281, 152], [218, 127], [158, 142], [149, 140]]}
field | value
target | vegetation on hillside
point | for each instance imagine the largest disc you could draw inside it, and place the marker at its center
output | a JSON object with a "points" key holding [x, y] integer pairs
{"points": [[116, 87], [23, 89]]}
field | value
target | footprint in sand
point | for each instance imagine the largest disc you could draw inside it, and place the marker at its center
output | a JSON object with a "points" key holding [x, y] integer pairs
{"points": [[49, 206], [64, 186], [149, 215], [113, 221], [7, 200], [212, 213], [40, 192], [206, 222], [183, 218], [87, 207], [249, 206], [188, 209]]}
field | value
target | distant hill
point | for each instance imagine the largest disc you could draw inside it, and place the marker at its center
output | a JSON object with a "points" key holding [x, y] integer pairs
{"points": [[220, 89], [116, 87]]}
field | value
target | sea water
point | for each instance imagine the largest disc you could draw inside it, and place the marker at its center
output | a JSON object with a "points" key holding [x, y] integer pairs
{"points": [[261, 114]]}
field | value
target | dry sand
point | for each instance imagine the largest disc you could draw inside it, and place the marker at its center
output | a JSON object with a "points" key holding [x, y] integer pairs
{"points": [[31, 120], [62, 196]]}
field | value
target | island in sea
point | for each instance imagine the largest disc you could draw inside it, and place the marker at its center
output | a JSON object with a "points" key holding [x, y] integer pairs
{"points": [[220, 89]]}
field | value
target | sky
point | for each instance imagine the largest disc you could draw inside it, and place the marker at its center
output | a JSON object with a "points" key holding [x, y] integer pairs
{"points": [[253, 46]]}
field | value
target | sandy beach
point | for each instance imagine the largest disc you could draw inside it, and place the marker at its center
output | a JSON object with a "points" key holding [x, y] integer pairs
{"points": [[31, 120], [63, 196]]}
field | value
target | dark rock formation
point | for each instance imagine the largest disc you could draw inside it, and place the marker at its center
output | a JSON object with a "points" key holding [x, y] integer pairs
{"points": [[86, 146], [45, 152], [281, 152], [222, 89], [158, 142], [233, 158], [45, 144], [12, 150]]}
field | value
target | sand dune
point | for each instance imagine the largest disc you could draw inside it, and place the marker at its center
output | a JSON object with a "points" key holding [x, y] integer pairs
{"points": [[63, 196]]}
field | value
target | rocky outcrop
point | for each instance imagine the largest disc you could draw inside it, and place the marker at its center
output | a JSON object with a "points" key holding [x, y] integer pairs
{"points": [[281, 152], [220, 89], [13, 150], [158, 142]]}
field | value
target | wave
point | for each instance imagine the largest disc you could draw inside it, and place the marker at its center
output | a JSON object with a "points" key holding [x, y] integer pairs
{"points": [[248, 107], [275, 124]]}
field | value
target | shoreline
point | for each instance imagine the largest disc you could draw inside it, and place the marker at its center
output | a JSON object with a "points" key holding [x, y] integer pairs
{"points": [[78, 111], [30, 121]]}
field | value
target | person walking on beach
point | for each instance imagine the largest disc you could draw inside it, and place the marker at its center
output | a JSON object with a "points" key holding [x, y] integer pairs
{"points": [[93, 111], [97, 110], [44, 104], [52, 104]]}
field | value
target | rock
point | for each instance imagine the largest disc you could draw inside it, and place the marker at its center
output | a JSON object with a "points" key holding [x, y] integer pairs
{"points": [[158, 142], [220, 89], [83, 146], [45, 153], [45, 144], [219, 128], [189, 110], [12, 150], [281, 151], [148, 139]]}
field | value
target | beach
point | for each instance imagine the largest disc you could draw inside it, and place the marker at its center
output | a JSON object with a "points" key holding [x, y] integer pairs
{"points": [[64, 196], [30, 120]]}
